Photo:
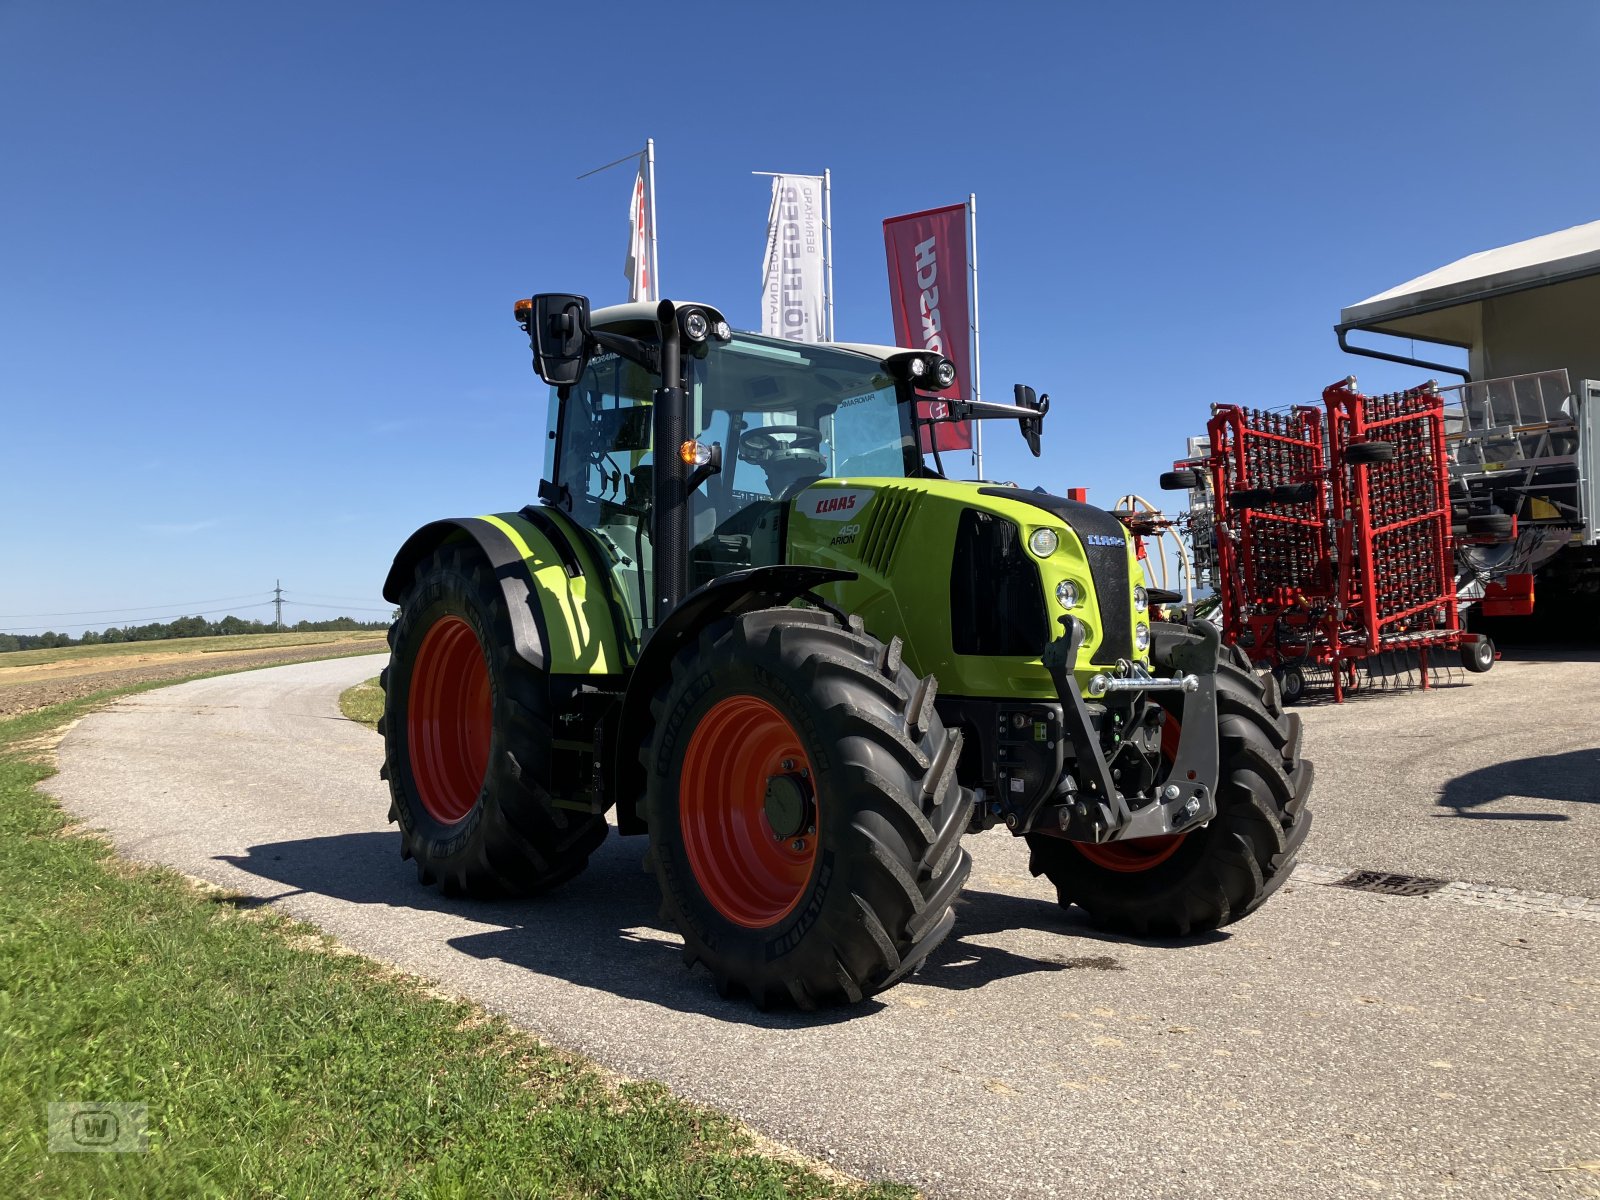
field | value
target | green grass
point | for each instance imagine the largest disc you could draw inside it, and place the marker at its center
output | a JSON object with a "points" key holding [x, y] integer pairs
{"points": [[274, 1067], [363, 703], [197, 645]]}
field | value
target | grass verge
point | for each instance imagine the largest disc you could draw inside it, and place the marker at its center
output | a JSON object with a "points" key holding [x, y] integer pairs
{"points": [[363, 703], [273, 1065]]}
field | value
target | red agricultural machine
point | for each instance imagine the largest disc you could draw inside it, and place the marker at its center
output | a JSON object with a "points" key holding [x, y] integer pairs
{"points": [[1331, 536]]}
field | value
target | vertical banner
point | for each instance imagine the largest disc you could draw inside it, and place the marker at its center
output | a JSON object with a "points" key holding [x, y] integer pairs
{"points": [[928, 290], [793, 291], [641, 281]]}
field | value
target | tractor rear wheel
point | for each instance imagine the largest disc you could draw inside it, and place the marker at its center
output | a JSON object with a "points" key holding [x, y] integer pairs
{"points": [[1207, 877], [805, 818], [467, 742]]}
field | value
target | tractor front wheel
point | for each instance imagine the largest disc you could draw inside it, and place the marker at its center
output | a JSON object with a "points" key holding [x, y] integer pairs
{"points": [[466, 730], [1224, 870], [805, 818]]}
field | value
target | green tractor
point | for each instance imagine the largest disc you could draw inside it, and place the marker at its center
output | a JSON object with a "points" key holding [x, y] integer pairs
{"points": [[749, 618]]}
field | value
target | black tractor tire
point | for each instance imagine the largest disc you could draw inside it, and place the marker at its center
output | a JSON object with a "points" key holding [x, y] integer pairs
{"points": [[1291, 683], [499, 834], [1184, 479], [1490, 525], [1478, 656], [1226, 869], [1367, 453], [872, 770]]}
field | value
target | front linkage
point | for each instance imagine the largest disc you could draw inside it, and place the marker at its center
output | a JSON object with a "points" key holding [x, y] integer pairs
{"points": [[1088, 805]]}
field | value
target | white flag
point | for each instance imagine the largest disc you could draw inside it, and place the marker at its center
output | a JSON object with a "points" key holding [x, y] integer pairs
{"points": [[640, 285], [792, 284]]}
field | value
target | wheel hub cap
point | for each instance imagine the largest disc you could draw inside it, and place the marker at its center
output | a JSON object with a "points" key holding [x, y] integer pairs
{"points": [[788, 805]]}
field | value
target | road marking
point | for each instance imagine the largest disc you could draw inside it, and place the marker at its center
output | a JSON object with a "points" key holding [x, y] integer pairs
{"points": [[1480, 895]]}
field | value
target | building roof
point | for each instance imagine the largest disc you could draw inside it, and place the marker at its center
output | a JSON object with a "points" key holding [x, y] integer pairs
{"points": [[1421, 307]]}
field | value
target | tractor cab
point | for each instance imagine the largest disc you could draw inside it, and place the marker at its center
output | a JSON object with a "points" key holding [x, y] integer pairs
{"points": [[766, 418]]}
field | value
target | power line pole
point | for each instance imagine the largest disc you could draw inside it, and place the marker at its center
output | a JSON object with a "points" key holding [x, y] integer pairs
{"points": [[278, 601]]}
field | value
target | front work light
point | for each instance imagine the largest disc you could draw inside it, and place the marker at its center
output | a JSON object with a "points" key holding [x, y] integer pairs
{"points": [[695, 325], [944, 375]]}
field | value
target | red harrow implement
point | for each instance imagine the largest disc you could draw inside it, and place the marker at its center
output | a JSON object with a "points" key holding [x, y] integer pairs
{"points": [[1333, 538]]}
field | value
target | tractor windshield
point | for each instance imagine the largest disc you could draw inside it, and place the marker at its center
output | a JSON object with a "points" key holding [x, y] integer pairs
{"points": [[786, 415]]}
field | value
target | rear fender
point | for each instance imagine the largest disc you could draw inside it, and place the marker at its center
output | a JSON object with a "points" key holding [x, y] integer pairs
{"points": [[727, 595], [563, 619]]}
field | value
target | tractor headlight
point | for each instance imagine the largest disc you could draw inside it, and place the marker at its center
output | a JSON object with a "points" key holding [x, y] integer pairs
{"points": [[944, 375], [1141, 637], [1067, 594], [695, 325], [1141, 600], [917, 368], [1043, 542], [722, 331]]}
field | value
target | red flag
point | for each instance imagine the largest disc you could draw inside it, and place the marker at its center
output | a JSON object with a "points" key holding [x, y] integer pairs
{"points": [[928, 272], [637, 267]]}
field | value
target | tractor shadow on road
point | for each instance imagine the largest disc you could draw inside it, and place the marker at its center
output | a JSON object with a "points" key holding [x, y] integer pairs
{"points": [[1570, 778], [601, 930]]}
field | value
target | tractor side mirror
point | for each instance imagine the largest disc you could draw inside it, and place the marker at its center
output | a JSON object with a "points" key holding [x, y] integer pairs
{"points": [[560, 334], [1032, 427]]}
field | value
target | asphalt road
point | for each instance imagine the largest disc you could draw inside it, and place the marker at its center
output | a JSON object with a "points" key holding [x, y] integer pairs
{"points": [[1339, 1043]]}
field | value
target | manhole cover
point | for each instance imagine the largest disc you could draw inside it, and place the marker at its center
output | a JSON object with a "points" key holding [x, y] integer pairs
{"points": [[1389, 884]]}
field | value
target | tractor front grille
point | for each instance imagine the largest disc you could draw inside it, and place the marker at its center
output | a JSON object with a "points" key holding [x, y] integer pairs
{"points": [[1108, 564], [996, 597]]}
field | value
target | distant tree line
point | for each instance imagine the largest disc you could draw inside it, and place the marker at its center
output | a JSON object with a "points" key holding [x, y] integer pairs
{"points": [[183, 627]]}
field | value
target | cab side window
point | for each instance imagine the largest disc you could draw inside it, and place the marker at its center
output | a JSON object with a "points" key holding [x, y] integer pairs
{"points": [[602, 466]]}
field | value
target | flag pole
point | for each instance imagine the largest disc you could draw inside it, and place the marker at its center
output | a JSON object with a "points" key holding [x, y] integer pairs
{"points": [[827, 243], [977, 388], [655, 265]]}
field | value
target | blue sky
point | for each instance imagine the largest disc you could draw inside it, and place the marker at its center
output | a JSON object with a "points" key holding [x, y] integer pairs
{"points": [[258, 260]]}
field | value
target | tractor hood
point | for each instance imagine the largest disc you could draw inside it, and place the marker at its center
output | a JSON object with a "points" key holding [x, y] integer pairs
{"points": [[956, 571]]}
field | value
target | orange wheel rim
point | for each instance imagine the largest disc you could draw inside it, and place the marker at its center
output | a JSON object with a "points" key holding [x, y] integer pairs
{"points": [[1140, 854], [449, 720], [748, 809]]}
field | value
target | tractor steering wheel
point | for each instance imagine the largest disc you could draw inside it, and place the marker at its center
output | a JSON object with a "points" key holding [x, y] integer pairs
{"points": [[759, 446]]}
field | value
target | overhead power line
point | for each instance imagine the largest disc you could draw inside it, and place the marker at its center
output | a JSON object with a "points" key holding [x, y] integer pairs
{"points": [[336, 607], [230, 610], [127, 608], [321, 596]]}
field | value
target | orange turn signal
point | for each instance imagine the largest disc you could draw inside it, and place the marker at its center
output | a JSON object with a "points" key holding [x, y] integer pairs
{"points": [[694, 454]]}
